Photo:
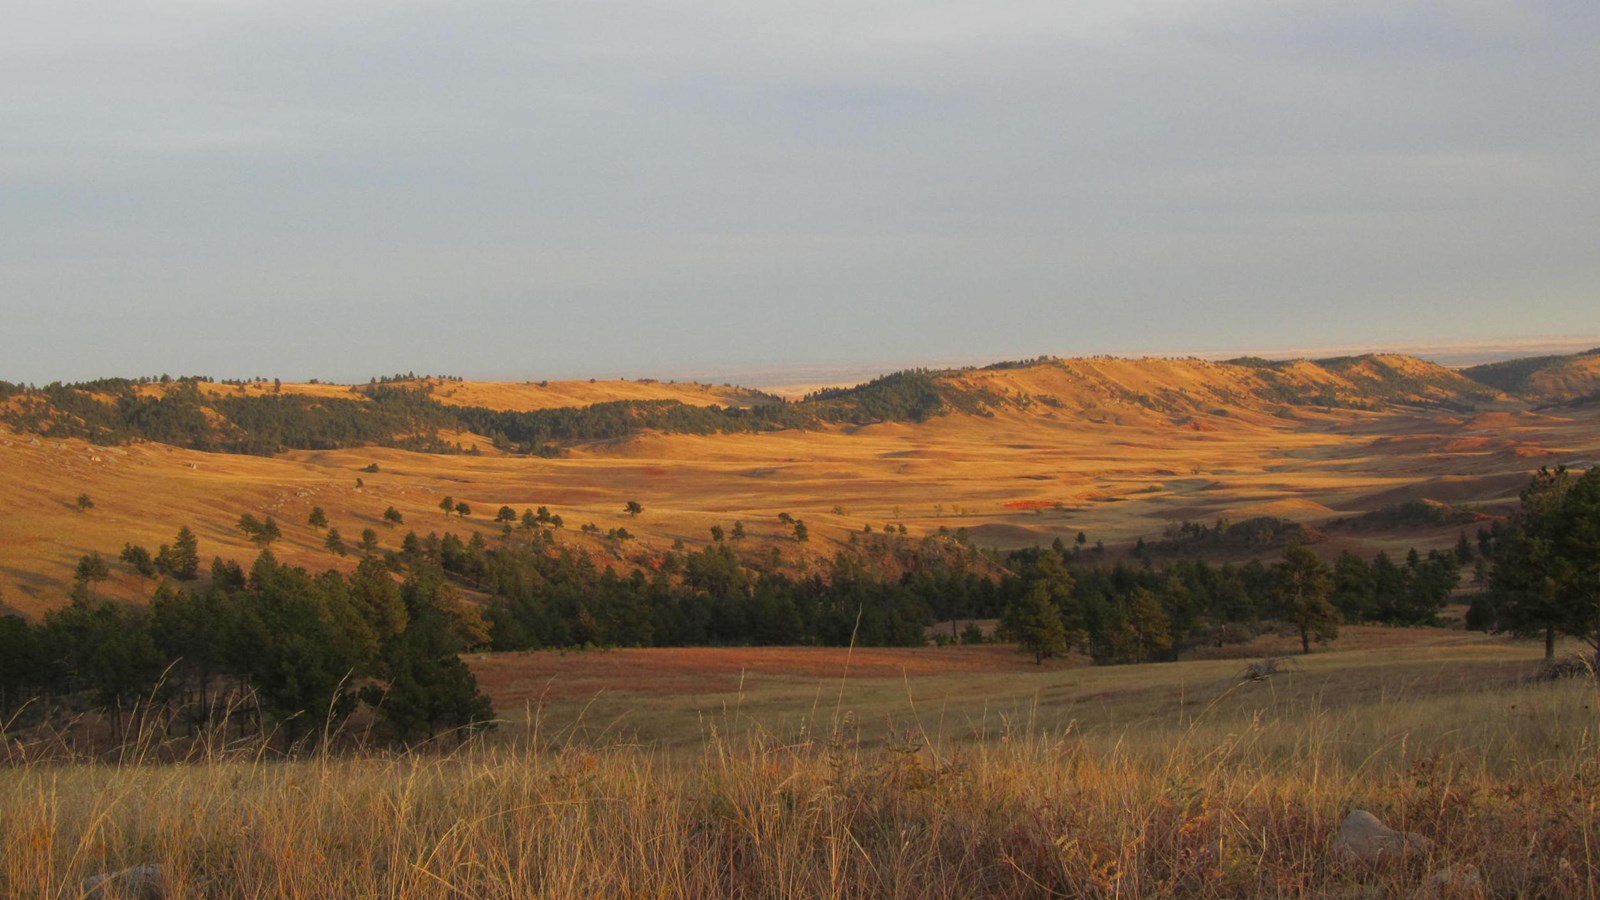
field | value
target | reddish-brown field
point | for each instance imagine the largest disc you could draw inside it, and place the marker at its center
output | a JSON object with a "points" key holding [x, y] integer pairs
{"points": [[675, 696], [514, 679]]}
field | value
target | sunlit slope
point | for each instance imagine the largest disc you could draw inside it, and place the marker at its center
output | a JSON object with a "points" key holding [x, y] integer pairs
{"points": [[528, 396], [516, 396], [1015, 455], [1544, 379], [1102, 387], [432, 414]]}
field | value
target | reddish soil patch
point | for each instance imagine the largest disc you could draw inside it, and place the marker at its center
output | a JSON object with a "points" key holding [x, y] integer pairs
{"points": [[1032, 504], [514, 679]]}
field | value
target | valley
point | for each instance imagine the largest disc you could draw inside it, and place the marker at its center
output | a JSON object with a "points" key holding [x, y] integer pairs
{"points": [[1118, 450]]}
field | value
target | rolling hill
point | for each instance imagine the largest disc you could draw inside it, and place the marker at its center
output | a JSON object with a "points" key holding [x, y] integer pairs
{"points": [[431, 414], [1544, 379], [1014, 454]]}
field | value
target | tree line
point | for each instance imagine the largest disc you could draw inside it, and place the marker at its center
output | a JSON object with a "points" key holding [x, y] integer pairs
{"points": [[885, 588], [310, 649], [393, 413], [274, 648]]}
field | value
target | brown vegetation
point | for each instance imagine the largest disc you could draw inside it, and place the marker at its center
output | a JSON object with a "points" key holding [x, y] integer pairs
{"points": [[1148, 781]]}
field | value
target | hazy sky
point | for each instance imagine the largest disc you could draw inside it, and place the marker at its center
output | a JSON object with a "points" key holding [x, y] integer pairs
{"points": [[588, 187]]}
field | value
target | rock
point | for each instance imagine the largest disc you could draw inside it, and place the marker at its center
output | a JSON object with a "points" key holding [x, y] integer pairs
{"points": [[1364, 839], [133, 883]]}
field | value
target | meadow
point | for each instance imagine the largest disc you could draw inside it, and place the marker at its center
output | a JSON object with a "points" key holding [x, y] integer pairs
{"points": [[965, 772]]}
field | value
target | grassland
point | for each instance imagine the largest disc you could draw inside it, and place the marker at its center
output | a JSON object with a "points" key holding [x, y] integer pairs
{"points": [[954, 772], [917, 773], [1071, 449]]}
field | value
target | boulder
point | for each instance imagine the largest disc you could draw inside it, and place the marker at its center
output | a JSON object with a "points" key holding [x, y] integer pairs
{"points": [[1364, 839]]}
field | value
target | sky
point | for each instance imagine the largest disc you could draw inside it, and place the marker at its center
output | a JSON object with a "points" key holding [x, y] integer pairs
{"points": [[573, 188]]}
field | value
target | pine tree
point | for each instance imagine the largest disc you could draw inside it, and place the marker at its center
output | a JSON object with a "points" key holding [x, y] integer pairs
{"points": [[1035, 623], [91, 570], [428, 687], [185, 557], [1149, 626], [139, 558], [268, 533], [1303, 586], [20, 662], [1546, 575]]}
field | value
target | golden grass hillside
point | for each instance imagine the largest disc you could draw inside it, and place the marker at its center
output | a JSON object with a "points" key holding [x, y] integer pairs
{"points": [[1146, 781], [519, 396], [1147, 389], [1545, 379], [528, 396], [1096, 458]]}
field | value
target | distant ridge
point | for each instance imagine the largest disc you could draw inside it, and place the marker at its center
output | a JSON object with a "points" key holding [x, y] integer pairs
{"points": [[449, 415], [1544, 379]]}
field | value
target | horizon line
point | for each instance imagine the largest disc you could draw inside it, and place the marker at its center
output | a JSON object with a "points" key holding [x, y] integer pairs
{"points": [[803, 375]]}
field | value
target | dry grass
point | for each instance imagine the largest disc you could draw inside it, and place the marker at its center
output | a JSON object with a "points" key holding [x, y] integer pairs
{"points": [[1237, 795], [665, 696], [527, 396], [1118, 470]]}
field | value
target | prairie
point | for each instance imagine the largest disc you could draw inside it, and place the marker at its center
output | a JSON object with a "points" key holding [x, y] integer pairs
{"points": [[1089, 460], [920, 773], [963, 771]]}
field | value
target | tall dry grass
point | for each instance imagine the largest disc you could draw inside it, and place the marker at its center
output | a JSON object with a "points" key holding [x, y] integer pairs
{"points": [[1237, 800]]}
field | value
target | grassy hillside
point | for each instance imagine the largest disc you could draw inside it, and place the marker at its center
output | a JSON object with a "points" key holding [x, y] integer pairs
{"points": [[1054, 449], [1544, 379], [430, 414]]}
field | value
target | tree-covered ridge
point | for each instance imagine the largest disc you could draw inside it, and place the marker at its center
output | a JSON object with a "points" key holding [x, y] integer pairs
{"points": [[1252, 535], [1368, 381], [115, 411], [405, 412], [1544, 379], [397, 413]]}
